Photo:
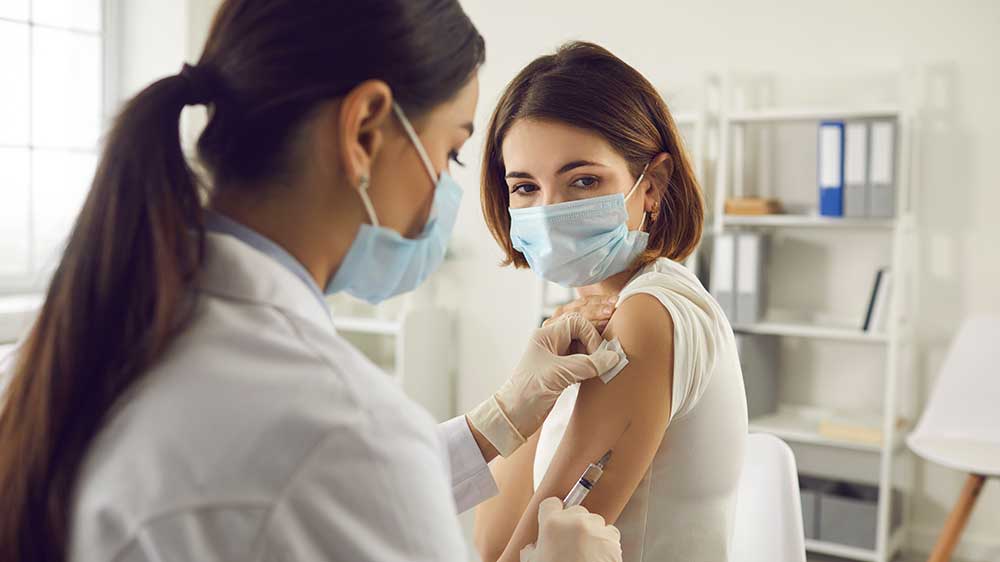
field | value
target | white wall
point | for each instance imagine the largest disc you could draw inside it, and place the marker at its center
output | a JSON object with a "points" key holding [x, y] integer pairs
{"points": [[155, 39], [803, 45], [152, 38]]}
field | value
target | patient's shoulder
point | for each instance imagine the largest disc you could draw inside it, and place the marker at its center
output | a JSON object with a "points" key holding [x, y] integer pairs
{"points": [[642, 392], [640, 315], [645, 329]]}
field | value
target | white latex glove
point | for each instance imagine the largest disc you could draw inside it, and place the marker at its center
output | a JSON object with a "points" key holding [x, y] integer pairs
{"points": [[522, 403], [573, 534]]}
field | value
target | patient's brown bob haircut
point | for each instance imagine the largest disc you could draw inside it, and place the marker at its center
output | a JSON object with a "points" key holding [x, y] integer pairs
{"points": [[583, 85]]}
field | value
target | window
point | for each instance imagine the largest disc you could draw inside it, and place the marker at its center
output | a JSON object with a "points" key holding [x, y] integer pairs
{"points": [[51, 116]]}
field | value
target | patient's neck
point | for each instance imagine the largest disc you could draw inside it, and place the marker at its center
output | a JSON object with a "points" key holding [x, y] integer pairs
{"points": [[610, 286]]}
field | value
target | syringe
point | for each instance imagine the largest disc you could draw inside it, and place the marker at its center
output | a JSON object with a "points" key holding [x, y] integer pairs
{"points": [[586, 482]]}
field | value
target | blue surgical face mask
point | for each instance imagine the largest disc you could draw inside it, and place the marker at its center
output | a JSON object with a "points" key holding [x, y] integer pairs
{"points": [[578, 243], [382, 263]]}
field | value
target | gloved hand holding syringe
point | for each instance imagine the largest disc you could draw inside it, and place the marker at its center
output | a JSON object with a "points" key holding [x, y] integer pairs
{"points": [[607, 547], [572, 534]]}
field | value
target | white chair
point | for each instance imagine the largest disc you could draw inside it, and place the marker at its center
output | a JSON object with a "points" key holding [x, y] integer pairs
{"points": [[960, 427], [768, 523]]}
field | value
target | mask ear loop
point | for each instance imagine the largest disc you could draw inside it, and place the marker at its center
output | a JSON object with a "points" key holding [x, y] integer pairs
{"points": [[642, 223], [366, 200], [416, 141], [364, 182]]}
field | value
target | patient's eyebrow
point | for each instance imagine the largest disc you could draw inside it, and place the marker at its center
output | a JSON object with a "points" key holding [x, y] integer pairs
{"points": [[577, 164], [566, 168]]}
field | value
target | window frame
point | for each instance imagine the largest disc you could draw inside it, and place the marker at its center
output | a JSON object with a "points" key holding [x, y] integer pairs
{"points": [[37, 279]]}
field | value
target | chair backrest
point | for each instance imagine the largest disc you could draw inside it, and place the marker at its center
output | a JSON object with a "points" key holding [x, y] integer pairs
{"points": [[964, 401], [768, 523]]}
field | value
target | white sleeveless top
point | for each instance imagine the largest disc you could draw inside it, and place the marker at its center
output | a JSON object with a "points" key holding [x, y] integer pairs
{"points": [[683, 508]]}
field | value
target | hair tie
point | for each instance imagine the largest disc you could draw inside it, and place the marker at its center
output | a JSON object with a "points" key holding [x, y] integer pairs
{"points": [[200, 85]]}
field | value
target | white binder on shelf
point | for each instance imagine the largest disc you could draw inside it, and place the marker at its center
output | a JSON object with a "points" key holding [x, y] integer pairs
{"points": [[856, 169], [759, 361], [881, 170], [723, 275], [749, 277]]}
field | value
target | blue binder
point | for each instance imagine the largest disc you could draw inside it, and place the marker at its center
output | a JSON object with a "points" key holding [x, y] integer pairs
{"points": [[830, 168]]}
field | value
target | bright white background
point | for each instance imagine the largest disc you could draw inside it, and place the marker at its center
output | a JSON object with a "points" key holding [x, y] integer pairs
{"points": [[803, 44], [48, 139]]}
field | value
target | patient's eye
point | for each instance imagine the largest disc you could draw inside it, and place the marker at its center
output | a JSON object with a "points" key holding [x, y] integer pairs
{"points": [[585, 182], [524, 188]]}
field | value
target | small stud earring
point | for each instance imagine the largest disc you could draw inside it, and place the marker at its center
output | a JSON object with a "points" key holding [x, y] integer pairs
{"points": [[363, 182]]}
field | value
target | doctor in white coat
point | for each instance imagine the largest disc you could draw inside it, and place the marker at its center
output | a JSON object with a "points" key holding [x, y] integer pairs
{"points": [[184, 394]]}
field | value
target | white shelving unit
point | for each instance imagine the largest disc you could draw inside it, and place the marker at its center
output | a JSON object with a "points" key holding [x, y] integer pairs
{"points": [[807, 221], [377, 326], [803, 428], [792, 114], [833, 549], [415, 347], [813, 332], [838, 457]]}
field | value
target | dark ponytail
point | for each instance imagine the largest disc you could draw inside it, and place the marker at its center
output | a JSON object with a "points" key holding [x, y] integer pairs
{"points": [[123, 288], [117, 297]]}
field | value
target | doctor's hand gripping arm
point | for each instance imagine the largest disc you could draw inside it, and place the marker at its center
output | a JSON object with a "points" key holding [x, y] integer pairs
{"points": [[519, 407], [572, 534]]}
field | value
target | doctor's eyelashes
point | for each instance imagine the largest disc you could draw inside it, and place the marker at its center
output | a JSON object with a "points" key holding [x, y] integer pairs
{"points": [[453, 156]]}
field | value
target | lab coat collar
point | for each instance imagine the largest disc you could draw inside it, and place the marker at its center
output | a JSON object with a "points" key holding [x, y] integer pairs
{"points": [[234, 269], [217, 222]]}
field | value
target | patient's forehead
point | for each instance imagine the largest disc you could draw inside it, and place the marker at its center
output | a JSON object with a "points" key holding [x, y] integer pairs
{"points": [[541, 147]]}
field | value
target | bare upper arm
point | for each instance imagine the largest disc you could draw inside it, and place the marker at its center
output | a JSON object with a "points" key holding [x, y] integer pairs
{"points": [[637, 399]]}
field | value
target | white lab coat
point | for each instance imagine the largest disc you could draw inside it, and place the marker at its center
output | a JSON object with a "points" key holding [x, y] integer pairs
{"points": [[263, 435]]}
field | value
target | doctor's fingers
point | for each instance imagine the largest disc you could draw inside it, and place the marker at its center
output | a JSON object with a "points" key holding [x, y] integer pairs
{"points": [[606, 540], [612, 534], [594, 523], [548, 508], [552, 508], [610, 550], [572, 369], [578, 521]]}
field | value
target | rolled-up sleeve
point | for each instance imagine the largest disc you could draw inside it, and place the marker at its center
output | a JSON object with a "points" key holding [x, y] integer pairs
{"points": [[471, 480]]}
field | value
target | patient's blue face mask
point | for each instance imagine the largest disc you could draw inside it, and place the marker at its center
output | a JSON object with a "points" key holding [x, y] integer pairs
{"points": [[578, 243], [381, 262]]}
